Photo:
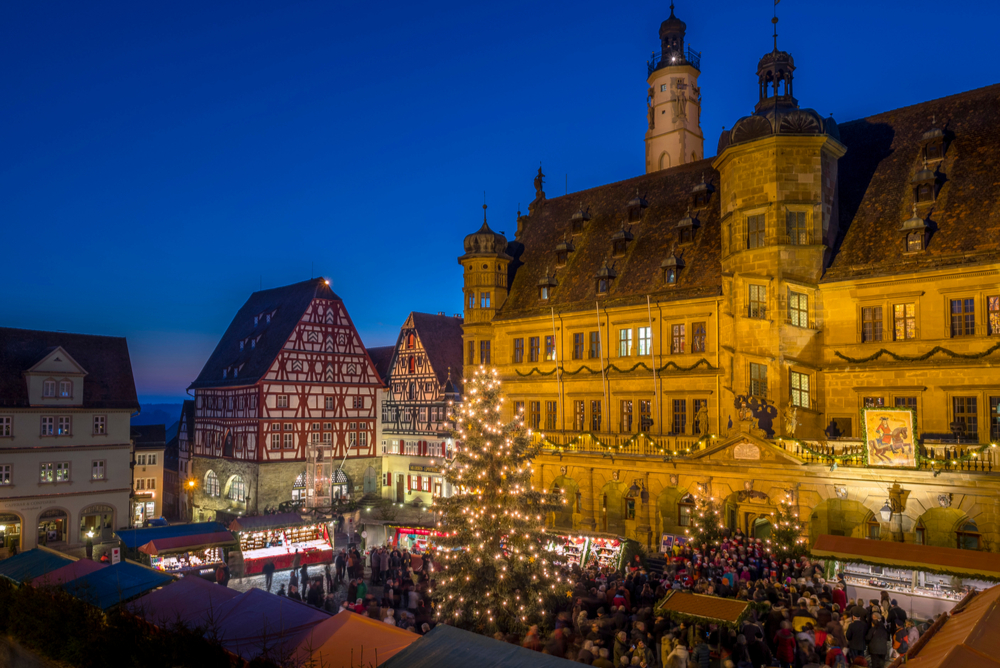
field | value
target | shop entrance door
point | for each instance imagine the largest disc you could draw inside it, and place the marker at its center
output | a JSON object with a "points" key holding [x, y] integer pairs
{"points": [[400, 492]]}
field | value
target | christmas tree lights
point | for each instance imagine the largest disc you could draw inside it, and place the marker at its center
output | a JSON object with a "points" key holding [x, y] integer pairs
{"points": [[706, 522], [496, 573], [786, 531]]}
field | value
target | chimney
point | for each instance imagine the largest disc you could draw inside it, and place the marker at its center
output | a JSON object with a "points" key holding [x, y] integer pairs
{"points": [[440, 312], [458, 315]]}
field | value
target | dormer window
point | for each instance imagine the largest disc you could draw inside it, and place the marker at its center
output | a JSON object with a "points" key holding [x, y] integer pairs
{"points": [[934, 151], [65, 389], [671, 268], [253, 343], [562, 252], [256, 320], [603, 285], [914, 233], [701, 194], [914, 242], [635, 208], [49, 389], [619, 242], [545, 286], [923, 184], [578, 221], [603, 278], [685, 229], [544, 292], [225, 373], [269, 318], [925, 192], [670, 275], [241, 344]]}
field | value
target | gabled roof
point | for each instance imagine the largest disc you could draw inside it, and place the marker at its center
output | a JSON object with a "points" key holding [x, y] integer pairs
{"points": [[108, 383], [32, 564], [133, 538], [448, 647], [191, 601], [441, 337], [884, 152], [285, 305], [149, 436], [115, 584], [381, 357], [669, 194], [187, 413], [966, 637]]}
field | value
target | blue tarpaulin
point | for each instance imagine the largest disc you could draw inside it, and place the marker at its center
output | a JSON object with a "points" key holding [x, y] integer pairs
{"points": [[110, 586], [136, 538], [31, 564]]}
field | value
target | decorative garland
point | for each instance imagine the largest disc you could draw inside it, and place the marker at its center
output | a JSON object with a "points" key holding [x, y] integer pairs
{"points": [[926, 568], [700, 619], [612, 367], [545, 442], [919, 358], [972, 453]]}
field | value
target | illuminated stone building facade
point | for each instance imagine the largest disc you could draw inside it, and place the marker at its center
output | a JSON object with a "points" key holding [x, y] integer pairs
{"points": [[721, 323]]}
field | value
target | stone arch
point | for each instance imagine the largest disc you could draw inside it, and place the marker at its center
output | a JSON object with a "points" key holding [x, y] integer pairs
{"points": [[664, 160], [941, 526], [839, 517], [8, 536], [612, 504], [97, 517], [58, 516], [568, 488], [668, 505], [236, 489]]}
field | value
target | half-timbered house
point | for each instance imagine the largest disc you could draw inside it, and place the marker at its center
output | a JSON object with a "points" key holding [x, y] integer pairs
{"points": [[424, 374], [285, 405]]}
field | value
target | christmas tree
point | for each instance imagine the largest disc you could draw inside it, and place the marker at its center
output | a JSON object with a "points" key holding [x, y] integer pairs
{"points": [[496, 572], [706, 522], [786, 539]]}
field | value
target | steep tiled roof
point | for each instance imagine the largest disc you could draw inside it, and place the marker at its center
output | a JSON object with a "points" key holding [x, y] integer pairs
{"points": [[108, 383], [441, 336], [187, 411], [669, 194], [382, 359], [149, 436], [286, 306], [884, 153]]}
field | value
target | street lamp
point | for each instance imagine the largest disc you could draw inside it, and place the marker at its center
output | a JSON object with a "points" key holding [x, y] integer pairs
{"points": [[886, 512]]}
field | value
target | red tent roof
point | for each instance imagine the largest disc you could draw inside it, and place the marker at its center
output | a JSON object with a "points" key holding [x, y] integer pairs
{"points": [[67, 573], [187, 543], [968, 638], [191, 600]]}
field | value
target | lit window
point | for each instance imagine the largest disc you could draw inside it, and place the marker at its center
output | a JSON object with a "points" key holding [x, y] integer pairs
{"points": [[677, 340], [100, 425], [65, 421], [626, 416], [97, 469], [798, 309], [65, 389], [758, 301], [550, 349], [62, 472], [904, 318], [645, 341], [47, 472], [212, 484], [993, 314], [624, 342], [544, 291], [698, 337], [5, 474], [800, 389], [237, 490]]}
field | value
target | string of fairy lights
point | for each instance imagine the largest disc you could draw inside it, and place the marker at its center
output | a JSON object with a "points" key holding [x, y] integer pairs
{"points": [[496, 568], [786, 530]]}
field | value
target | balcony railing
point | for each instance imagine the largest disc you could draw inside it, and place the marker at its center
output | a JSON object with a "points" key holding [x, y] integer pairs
{"points": [[622, 444], [691, 57]]}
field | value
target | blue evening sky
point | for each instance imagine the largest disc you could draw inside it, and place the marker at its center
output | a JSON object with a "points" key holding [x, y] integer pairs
{"points": [[160, 160]]}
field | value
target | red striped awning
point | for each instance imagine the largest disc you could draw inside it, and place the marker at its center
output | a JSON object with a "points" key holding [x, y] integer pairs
{"points": [[198, 541]]}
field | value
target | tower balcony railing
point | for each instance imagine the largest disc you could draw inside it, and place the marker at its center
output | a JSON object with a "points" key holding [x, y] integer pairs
{"points": [[690, 57]]}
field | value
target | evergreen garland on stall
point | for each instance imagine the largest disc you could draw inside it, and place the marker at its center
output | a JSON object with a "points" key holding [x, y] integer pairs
{"points": [[786, 531], [706, 522], [496, 573]]}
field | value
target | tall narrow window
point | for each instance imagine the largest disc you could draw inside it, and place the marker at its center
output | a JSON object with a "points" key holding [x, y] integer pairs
{"points": [[550, 415], [758, 380], [904, 321], [579, 417], [697, 337], [645, 415], [46, 472], [798, 309], [484, 352], [550, 349], [624, 342], [755, 231], [795, 222], [533, 349], [5, 426], [963, 317], [871, 323], [518, 351], [519, 409], [677, 339], [472, 300], [595, 345], [965, 412], [5, 474], [100, 425], [993, 314], [472, 352], [64, 425], [626, 416], [800, 389], [484, 300], [65, 389], [595, 415], [758, 301], [645, 340], [680, 417], [578, 346], [534, 414], [49, 389], [995, 419]]}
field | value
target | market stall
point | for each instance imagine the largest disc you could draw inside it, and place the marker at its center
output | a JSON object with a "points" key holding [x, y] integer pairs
{"points": [[414, 539], [585, 549], [569, 550], [924, 580], [277, 538], [607, 552], [198, 554]]}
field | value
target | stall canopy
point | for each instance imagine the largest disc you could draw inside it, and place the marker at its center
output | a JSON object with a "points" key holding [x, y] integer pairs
{"points": [[191, 601], [261, 522], [683, 606], [67, 573], [447, 647], [968, 638], [347, 639], [110, 586], [134, 538], [198, 541], [32, 564], [258, 623], [946, 560]]}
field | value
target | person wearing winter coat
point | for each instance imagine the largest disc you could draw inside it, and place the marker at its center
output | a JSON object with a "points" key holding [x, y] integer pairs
{"points": [[702, 655], [784, 643], [857, 637], [678, 658], [621, 647], [878, 641]]}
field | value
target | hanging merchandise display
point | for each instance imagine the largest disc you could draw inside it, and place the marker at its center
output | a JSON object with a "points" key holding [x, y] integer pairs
{"points": [[278, 539]]}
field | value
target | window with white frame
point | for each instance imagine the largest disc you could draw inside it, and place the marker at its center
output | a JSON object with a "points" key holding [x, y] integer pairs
{"points": [[65, 389], [151, 460], [282, 401], [46, 472], [624, 342], [409, 447], [327, 438], [645, 340], [289, 444], [140, 460], [48, 425], [394, 447], [275, 441], [64, 423], [49, 389], [435, 449], [62, 472], [97, 468], [5, 474], [359, 402], [5, 426], [314, 438], [352, 438], [140, 484], [362, 439], [100, 425]]}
